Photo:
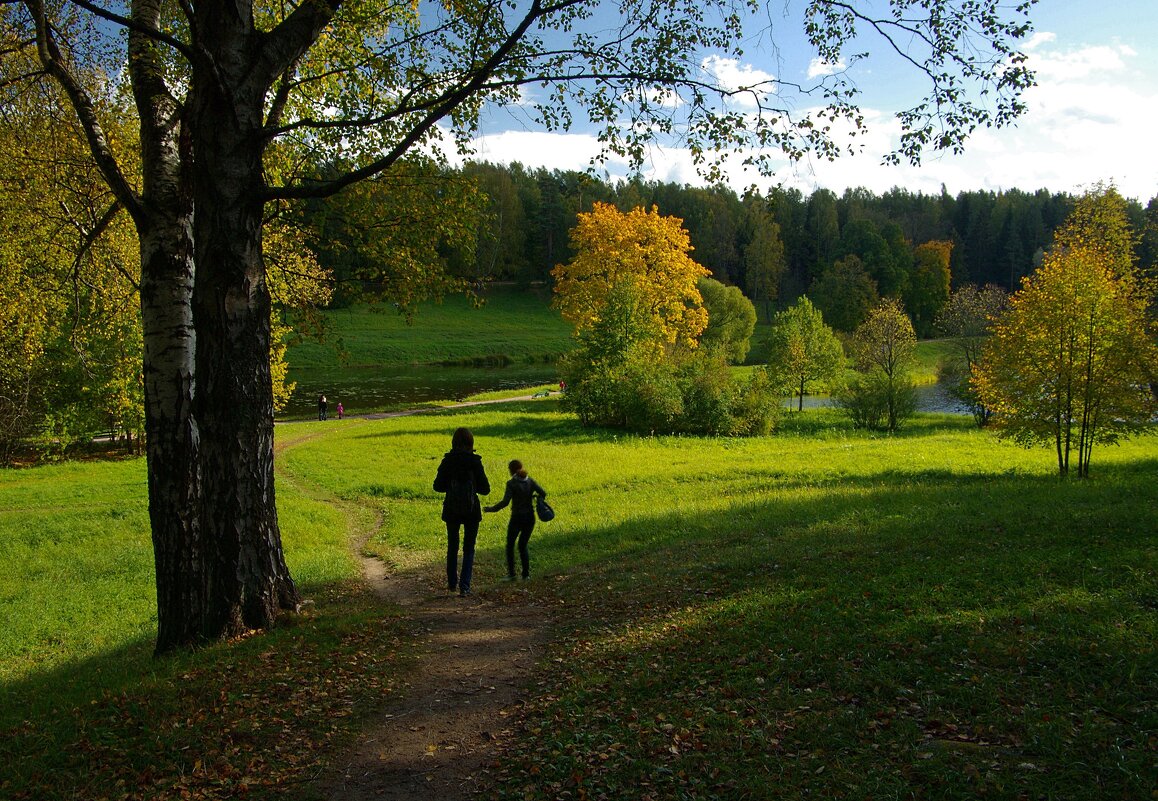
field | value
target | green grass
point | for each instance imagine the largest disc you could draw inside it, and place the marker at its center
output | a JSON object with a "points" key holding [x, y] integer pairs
{"points": [[821, 613], [930, 354], [87, 712], [824, 612], [512, 324]]}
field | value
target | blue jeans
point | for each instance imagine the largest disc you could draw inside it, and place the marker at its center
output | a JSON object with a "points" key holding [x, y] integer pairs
{"points": [[454, 580], [519, 529]]}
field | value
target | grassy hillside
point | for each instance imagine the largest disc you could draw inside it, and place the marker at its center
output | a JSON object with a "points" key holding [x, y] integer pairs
{"points": [[824, 612], [512, 323]]}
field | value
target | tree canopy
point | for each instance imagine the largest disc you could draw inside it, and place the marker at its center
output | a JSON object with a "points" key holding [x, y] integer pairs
{"points": [[231, 99], [803, 348], [731, 319], [1069, 364], [883, 348], [641, 249]]}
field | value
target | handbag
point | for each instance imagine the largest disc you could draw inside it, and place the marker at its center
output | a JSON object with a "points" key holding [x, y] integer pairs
{"points": [[544, 510]]}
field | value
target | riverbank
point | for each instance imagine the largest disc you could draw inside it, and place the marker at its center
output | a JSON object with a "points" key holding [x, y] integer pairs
{"points": [[374, 360]]}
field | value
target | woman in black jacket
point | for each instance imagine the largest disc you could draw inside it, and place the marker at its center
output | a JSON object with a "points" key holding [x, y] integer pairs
{"points": [[520, 494], [462, 478]]}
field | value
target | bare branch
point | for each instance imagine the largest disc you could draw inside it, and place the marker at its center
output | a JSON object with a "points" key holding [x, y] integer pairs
{"points": [[136, 26], [55, 65]]}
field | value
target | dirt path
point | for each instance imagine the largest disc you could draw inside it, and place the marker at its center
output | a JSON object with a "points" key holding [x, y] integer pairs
{"points": [[440, 740], [442, 737]]}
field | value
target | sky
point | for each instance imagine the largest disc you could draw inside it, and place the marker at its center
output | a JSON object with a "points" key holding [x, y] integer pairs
{"points": [[1093, 117]]}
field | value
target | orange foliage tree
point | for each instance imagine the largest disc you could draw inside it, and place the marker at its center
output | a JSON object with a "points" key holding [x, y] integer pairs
{"points": [[643, 253]]}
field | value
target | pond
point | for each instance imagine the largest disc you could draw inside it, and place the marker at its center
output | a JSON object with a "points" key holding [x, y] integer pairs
{"points": [[930, 398], [371, 389]]}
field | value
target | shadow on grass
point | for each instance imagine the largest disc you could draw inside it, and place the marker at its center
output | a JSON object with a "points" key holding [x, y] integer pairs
{"points": [[917, 633], [924, 634], [251, 717], [521, 421]]}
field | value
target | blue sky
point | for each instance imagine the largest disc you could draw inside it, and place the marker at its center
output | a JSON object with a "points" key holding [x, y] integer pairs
{"points": [[1092, 117]]}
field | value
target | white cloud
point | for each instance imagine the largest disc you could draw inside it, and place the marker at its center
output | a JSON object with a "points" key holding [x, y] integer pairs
{"points": [[749, 82], [818, 68], [553, 151], [1090, 118], [664, 97]]}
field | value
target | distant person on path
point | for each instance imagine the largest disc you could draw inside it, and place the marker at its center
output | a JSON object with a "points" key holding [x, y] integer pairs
{"points": [[322, 407], [520, 494], [462, 478], [341, 410]]}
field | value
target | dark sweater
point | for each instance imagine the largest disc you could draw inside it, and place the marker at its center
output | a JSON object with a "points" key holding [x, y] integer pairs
{"points": [[461, 465], [520, 494]]}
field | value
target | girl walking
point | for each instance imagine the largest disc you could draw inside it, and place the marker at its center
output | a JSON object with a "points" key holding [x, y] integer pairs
{"points": [[520, 494], [462, 478]]}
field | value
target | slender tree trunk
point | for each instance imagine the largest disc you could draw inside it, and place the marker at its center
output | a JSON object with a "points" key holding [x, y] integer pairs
{"points": [[164, 220], [247, 576], [171, 431]]}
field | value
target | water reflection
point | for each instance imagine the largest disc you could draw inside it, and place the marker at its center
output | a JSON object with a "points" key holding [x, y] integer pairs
{"points": [[930, 398], [369, 389]]}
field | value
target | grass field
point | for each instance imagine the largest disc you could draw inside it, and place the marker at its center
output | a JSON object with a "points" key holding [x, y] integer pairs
{"points": [[820, 613], [823, 612], [513, 324]]}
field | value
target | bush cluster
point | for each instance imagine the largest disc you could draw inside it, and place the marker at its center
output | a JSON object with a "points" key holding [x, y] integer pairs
{"points": [[866, 398], [694, 393]]}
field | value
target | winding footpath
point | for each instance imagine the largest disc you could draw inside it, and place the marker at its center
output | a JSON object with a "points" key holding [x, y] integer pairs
{"points": [[445, 733]]}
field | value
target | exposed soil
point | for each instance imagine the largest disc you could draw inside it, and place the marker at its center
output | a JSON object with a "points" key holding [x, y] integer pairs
{"points": [[448, 730]]}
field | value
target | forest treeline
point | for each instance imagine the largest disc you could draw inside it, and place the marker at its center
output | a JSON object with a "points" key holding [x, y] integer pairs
{"points": [[775, 246]]}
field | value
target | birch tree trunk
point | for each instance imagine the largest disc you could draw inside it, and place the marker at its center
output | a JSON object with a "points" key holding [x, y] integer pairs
{"points": [[247, 578], [163, 214]]}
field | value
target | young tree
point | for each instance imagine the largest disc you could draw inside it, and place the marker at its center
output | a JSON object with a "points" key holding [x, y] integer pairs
{"points": [[804, 349], [883, 347], [642, 249], [928, 287], [217, 85], [967, 320], [731, 319], [1068, 364]]}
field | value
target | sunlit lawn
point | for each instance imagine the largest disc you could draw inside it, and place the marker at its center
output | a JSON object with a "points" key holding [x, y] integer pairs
{"points": [[820, 613]]}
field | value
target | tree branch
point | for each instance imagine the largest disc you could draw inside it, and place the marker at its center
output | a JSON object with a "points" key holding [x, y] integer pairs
{"points": [[439, 109], [54, 65], [136, 26], [90, 236]]}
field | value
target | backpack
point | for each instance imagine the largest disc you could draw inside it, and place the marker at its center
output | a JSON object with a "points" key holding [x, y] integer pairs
{"points": [[460, 497]]}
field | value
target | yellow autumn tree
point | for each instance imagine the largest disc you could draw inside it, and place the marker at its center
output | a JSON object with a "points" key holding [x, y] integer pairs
{"points": [[641, 252], [928, 288], [298, 285], [1068, 364]]}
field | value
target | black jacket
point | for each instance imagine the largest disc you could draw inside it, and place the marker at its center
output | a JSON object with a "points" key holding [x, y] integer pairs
{"points": [[520, 495], [460, 465]]}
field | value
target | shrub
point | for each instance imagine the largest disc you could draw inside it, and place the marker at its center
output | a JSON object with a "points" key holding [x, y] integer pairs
{"points": [[696, 394], [866, 400]]}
